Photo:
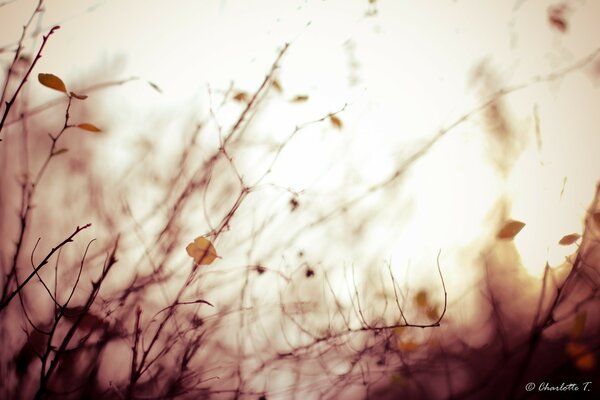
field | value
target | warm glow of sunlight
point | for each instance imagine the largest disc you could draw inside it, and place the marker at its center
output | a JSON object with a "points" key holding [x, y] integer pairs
{"points": [[284, 184]]}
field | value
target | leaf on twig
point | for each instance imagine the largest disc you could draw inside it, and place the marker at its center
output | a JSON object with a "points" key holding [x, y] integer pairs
{"points": [[569, 239], [241, 97], [301, 98], [89, 127], [60, 151], [277, 86], [202, 251], [510, 230], [335, 121], [53, 82]]}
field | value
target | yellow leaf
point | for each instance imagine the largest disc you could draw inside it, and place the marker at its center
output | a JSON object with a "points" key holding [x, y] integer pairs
{"points": [[300, 98], [89, 127], [578, 325], [510, 230], [421, 299], [53, 82], [582, 357], [335, 121], [569, 239], [202, 251]]}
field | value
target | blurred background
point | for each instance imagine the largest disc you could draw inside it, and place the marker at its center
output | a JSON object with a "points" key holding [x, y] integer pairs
{"points": [[352, 162]]}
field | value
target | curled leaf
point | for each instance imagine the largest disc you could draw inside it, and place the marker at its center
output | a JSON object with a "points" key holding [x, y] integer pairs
{"points": [[300, 98], [335, 121], [79, 96], [202, 251], [89, 127], [569, 239], [53, 82], [510, 230]]}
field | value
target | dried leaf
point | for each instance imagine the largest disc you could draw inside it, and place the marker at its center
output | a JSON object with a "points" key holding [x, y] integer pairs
{"points": [[510, 230], [202, 251], [60, 151], [242, 97], [89, 127], [53, 82], [569, 239], [408, 345], [578, 325], [155, 87], [421, 299], [335, 121], [556, 17], [277, 85], [300, 98], [582, 356], [79, 96]]}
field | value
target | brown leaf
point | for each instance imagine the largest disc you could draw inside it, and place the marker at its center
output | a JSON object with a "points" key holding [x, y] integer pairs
{"points": [[421, 299], [277, 85], [242, 97], [335, 121], [60, 151], [556, 17], [300, 98], [89, 127], [569, 239], [53, 82], [510, 230]]}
